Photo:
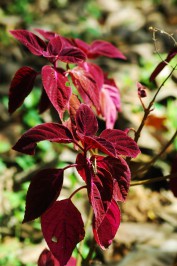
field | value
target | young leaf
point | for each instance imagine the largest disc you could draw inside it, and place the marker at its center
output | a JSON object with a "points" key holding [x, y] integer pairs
{"points": [[103, 48], [62, 228], [21, 86], [120, 173], [35, 44], [105, 231], [93, 142], [54, 48], [86, 85], [48, 131], [54, 83], [44, 189], [162, 64], [46, 258], [86, 121], [123, 144]]}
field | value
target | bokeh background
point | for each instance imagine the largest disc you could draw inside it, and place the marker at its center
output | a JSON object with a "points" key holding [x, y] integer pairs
{"points": [[147, 235]]}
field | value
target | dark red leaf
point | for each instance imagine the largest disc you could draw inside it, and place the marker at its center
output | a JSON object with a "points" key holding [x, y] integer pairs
{"points": [[98, 143], [72, 55], [123, 144], [82, 45], [46, 258], [62, 228], [54, 84], [44, 103], [86, 121], [96, 72], [48, 131], [84, 167], [48, 35], [54, 48], [105, 231], [162, 64], [44, 189], [21, 86], [86, 85], [35, 44], [99, 48], [120, 173]]}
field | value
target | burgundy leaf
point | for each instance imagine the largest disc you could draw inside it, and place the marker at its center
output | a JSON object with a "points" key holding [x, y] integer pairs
{"points": [[54, 84], [123, 144], [44, 189], [86, 85], [141, 90], [96, 72], [98, 143], [54, 48], [162, 64], [48, 35], [35, 44], [120, 173], [46, 258], [86, 121], [72, 55], [99, 48], [84, 167], [21, 86], [62, 228], [105, 231], [82, 45], [44, 102], [48, 131]]}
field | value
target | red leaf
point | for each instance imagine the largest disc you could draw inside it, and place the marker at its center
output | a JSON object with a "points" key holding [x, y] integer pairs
{"points": [[62, 228], [54, 48], [162, 64], [72, 55], [123, 144], [84, 167], [54, 84], [46, 258], [86, 85], [44, 189], [120, 173], [105, 231], [44, 102], [86, 121], [96, 72], [21, 86], [35, 44], [99, 143], [48, 131], [99, 48], [48, 35], [82, 45]]}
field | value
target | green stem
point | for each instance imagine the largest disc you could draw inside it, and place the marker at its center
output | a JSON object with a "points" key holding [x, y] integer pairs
{"points": [[79, 257]]}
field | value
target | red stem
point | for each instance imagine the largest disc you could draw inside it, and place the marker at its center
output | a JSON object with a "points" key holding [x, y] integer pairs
{"points": [[77, 191]]}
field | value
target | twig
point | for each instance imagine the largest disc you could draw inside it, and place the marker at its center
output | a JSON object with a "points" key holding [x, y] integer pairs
{"points": [[148, 165], [152, 180]]}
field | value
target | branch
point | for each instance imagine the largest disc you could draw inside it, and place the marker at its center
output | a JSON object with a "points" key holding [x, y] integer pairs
{"points": [[153, 180]]}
